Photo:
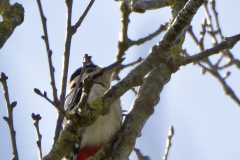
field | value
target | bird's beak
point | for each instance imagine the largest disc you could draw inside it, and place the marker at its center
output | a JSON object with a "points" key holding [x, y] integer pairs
{"points": [[113, 67]]}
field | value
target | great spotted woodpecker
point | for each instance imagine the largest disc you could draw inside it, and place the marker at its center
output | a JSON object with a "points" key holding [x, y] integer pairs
{"points": [[100, 133]]}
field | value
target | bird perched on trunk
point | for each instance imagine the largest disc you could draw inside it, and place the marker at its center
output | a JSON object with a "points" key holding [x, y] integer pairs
{"points": [[101, 132]]}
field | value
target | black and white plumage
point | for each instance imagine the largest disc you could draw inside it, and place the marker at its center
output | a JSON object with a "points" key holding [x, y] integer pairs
{"points": [[105, 127]]}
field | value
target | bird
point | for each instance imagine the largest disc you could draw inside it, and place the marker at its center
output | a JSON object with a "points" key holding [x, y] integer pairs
{"points": [[102, 131]]}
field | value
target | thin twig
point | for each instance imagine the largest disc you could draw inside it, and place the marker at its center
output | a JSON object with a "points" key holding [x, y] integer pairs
{"points": [[37, 118], [85, 60], [80, 20], [49, 54], [134, 91], [66, 56], [125, 42], [69, 33], [44, 95], [209, 22], [78, 84], [227, 44], [215, 14], [228, 90], [169, 144], [87, 85], [131, 64], [150, 36], [204, 68], [139, 155], [9, 119]]}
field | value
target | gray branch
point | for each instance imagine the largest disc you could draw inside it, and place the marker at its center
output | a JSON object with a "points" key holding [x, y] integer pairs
{"points": [[9, 119], [228, 43], [143, 5], [169, 144], [13, 16]]}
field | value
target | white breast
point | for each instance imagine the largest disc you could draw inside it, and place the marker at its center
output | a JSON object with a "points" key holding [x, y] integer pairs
{"points": [[106, 126]]}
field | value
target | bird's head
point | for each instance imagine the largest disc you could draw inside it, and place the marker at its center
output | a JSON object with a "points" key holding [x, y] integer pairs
{"points": [[101, 75]]}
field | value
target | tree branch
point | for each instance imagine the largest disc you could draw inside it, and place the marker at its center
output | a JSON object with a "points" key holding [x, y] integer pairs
{"points": [[213, 5], [131, 64], [142, 109], [228, 43], [9, 119], [44, 95], [80, 117], [86, 58], [140, 156], [69, 33], [37, 118], [66, 56], [169, 144], [87, 85], [150, 36], [142, 5], [49, 54], [80, 20], [125, 42], [13, 16]]}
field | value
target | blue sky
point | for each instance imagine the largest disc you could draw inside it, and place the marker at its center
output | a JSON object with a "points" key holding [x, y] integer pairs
{"points": [[205, 120]]}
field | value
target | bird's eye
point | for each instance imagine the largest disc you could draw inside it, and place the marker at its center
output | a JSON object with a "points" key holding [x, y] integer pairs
{"points": [[89, 70], [73, 85]]}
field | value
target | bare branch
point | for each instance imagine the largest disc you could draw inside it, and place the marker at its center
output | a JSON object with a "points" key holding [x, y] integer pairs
{"points": [[142, 5], [204, 68], [44, 95], [157, 54], [209, 23], [66, 56], [169, 144], [131, 64], [123, 38], [13, 16], [236, 62], [225, 44], [9, 119], [136, 118], [87, 85], [134, 91], [63, 145], [37, 118], [80, 20], [213, 5], [124, 42], [49, 53], [228, 43], [228, 90], [150, 36], [202, 34], [69, 33], [85, 59], [139, 155]]}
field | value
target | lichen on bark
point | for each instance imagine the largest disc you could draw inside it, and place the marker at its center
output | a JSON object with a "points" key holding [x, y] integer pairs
{"points": [[12, 16]]}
